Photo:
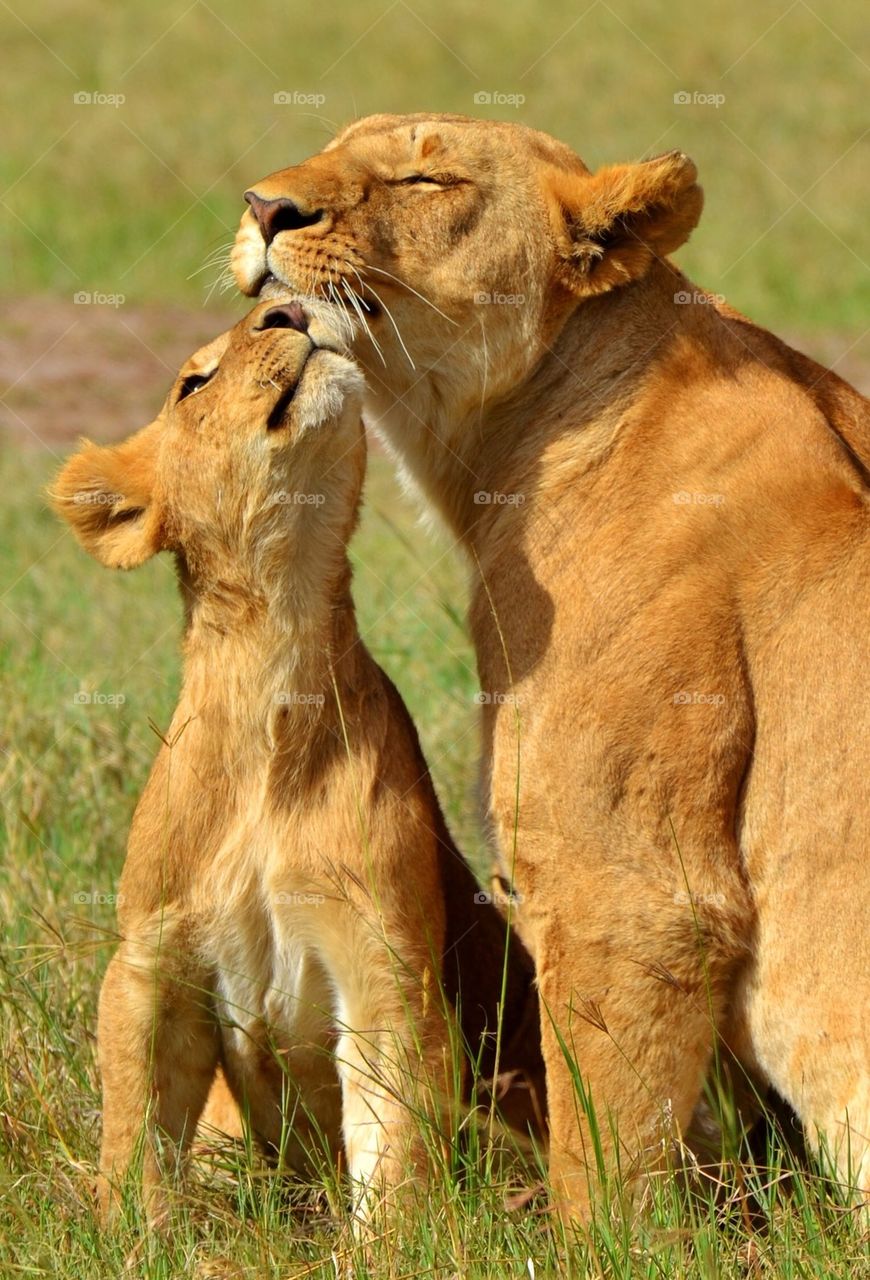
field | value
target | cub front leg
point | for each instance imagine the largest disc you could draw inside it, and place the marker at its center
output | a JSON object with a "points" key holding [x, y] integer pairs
{"points": [[158, 1048], [393, 1060]]}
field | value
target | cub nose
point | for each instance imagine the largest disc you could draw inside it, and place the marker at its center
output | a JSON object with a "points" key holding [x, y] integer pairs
{"points": [[279, 215], [288, 316]]}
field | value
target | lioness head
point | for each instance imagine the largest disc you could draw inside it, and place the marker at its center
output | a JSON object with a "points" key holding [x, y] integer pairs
{"points": [[259, 439], [454, 235]]}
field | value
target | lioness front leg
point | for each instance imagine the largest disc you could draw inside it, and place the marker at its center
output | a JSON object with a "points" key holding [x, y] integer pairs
{"points": [[158, 1051], [630, 1009]]}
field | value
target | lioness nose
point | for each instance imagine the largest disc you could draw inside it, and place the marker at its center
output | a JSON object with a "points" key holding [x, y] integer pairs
{"points": [[279, 215], [289, 316]]}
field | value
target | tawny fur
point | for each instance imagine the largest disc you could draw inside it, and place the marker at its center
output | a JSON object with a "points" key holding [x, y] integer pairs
{"points": [[670, 579], [291, 902]]}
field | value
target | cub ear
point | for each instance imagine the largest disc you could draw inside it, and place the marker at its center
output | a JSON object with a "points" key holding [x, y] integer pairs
{"points": [[106, 495], [611, 224]]}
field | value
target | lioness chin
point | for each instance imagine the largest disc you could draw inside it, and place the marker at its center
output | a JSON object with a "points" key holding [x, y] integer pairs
{"points": [[665, 511], [292, 908]]}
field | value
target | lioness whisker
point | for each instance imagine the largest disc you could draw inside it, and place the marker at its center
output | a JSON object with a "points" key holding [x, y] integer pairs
{"points": [[223, 283], [220, 255], [337, 300], [219, 283], [355, 303], [411, 289], [389, 315]]}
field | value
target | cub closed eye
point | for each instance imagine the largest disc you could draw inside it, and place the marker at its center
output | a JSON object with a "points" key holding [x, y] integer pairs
{"points": [[192, 383]]}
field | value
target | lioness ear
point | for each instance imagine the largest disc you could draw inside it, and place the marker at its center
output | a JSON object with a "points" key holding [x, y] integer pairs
{"points": [[107, 496], [611, 224]]}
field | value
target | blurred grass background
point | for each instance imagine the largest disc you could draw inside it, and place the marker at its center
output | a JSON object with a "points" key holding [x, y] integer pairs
{"points": [[131, 198]]}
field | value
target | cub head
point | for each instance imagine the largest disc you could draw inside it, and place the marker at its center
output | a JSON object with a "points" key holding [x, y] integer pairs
{"points": [[259, 440], [450, 234]]}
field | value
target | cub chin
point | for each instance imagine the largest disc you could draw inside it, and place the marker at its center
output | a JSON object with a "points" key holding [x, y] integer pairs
{"points": [[292, 909]]}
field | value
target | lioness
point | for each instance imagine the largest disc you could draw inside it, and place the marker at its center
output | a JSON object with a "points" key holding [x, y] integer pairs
{"points": [[291, 897], [665, 511]]}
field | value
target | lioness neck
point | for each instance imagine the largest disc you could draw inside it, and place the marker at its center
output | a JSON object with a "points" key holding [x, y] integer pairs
{"points": [[465, 456]]}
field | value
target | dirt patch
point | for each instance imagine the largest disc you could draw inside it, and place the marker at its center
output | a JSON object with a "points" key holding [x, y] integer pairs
{"points": [[68, 370], [101, 371]]}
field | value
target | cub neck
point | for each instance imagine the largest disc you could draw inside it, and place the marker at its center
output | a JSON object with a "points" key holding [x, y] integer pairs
{"points": [[276, 632]]}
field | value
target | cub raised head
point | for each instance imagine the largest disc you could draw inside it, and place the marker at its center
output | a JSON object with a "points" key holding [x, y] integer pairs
{"points": [[256, 433]]}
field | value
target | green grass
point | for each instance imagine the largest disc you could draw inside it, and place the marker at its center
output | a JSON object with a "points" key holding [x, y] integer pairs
{"points": [[131, 199], [69, 777]]}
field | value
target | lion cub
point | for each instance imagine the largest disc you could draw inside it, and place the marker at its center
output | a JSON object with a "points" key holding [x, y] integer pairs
{"points": [[282, 906]]}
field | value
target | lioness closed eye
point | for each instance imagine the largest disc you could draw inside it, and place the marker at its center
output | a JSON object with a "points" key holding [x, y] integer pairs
{"points": [[666, 514], [291, 898]]}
